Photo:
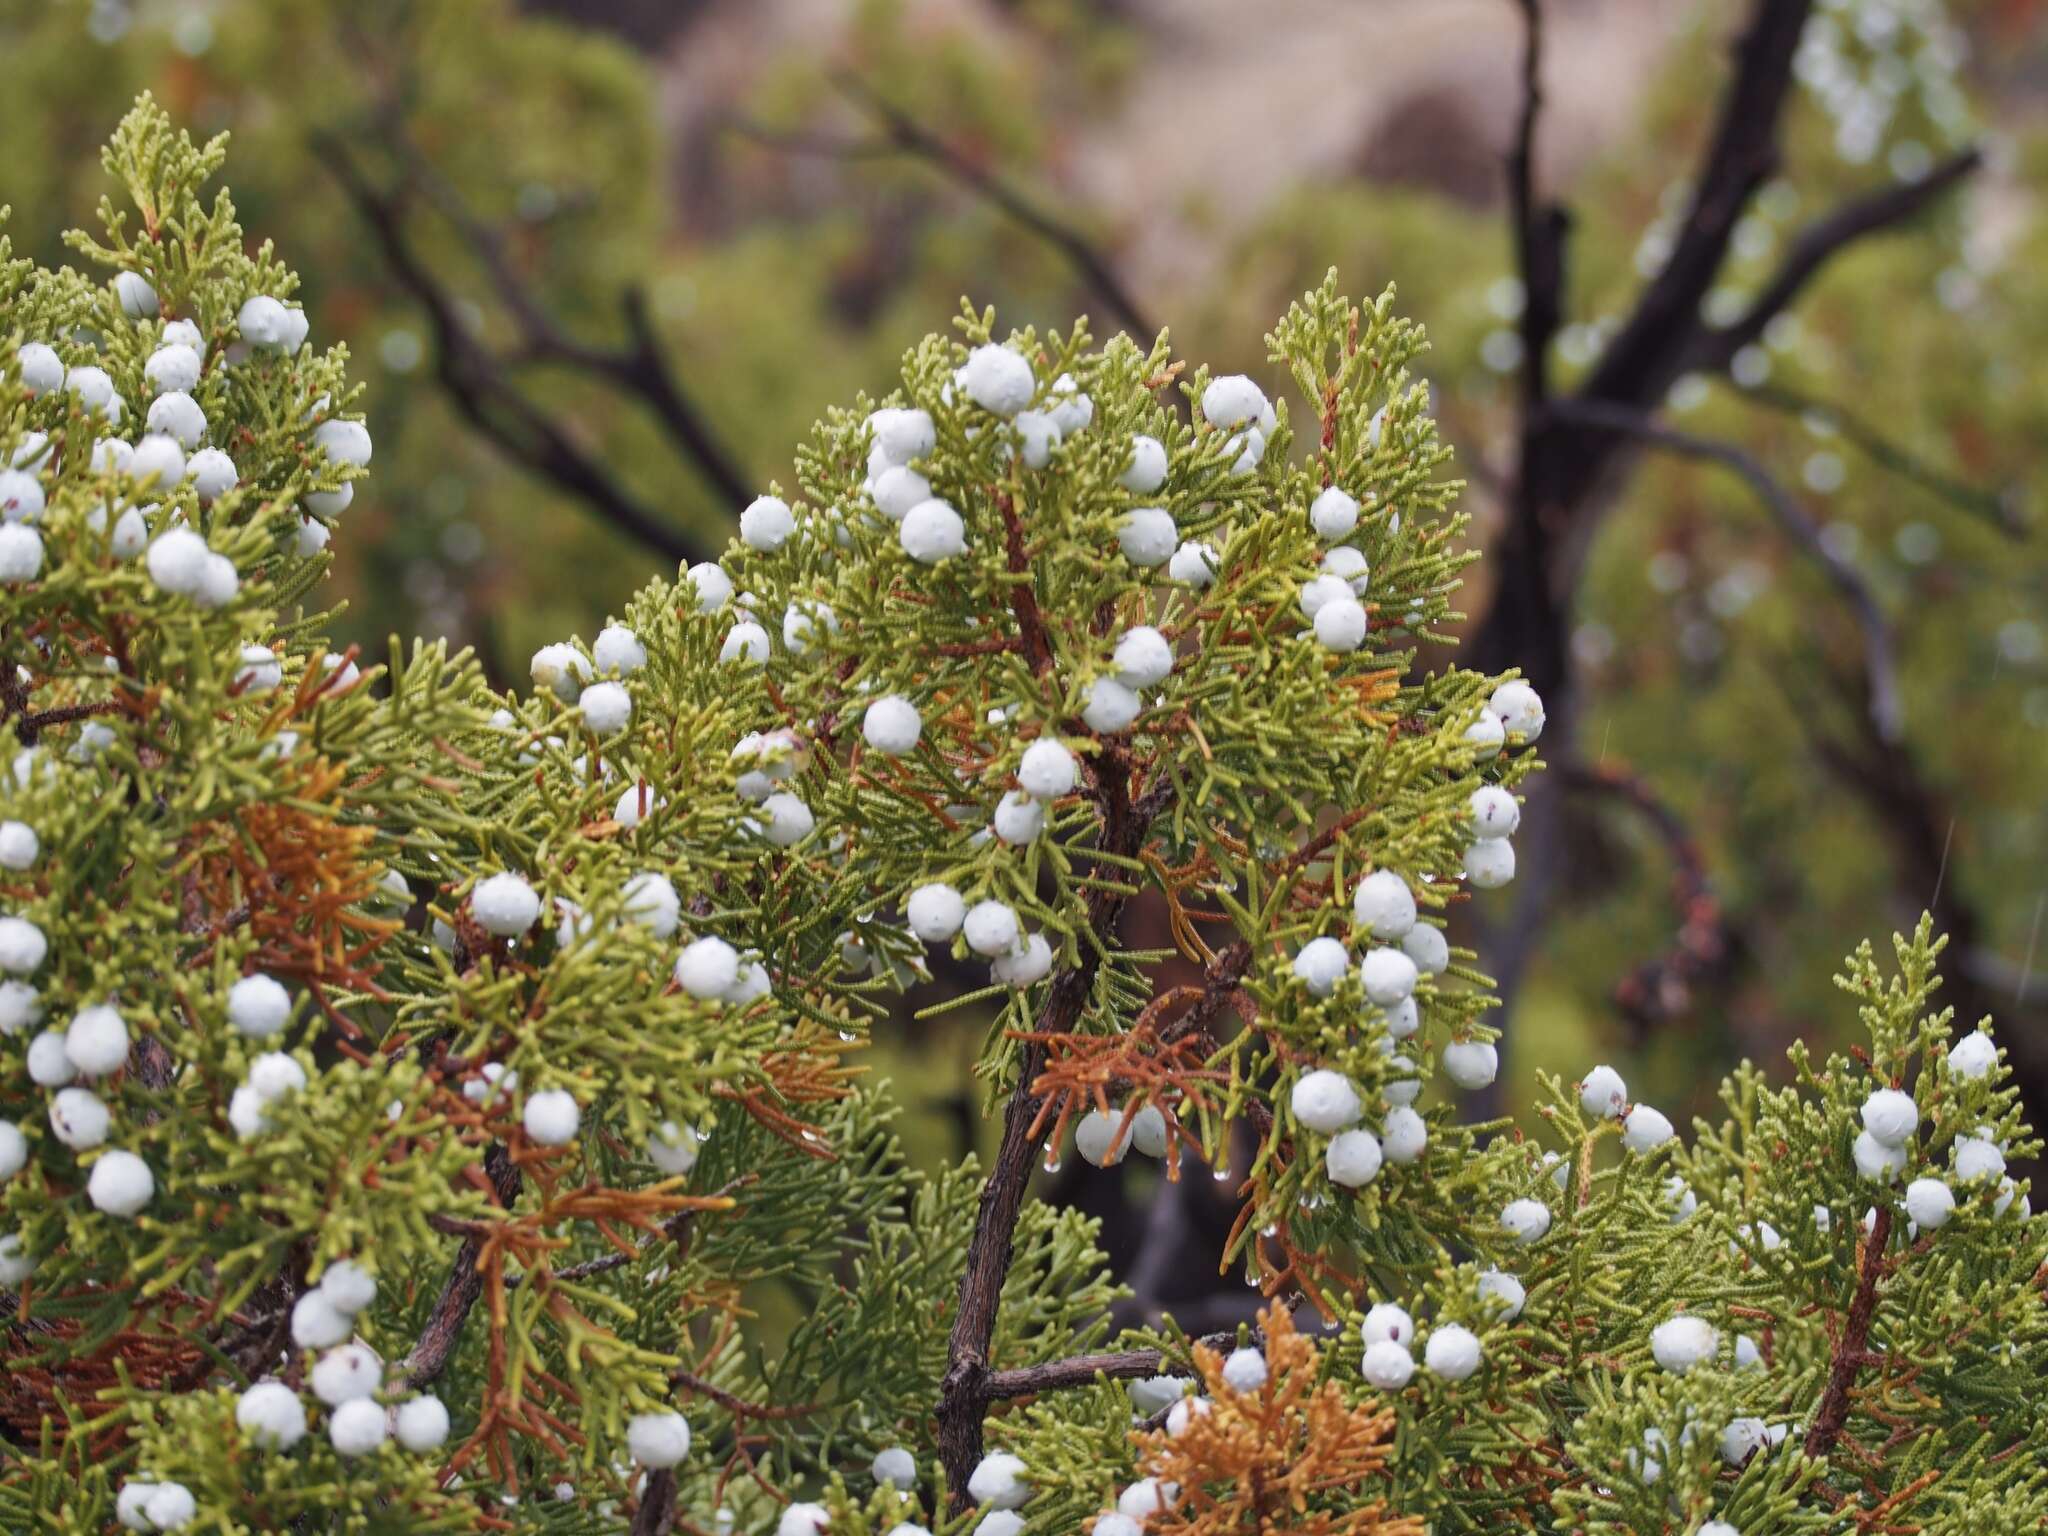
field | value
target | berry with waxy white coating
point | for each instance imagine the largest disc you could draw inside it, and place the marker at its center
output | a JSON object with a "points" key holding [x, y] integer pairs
{"points": [[673, 1148], [13, 1149], [1349, 566], [177, 416], [1145, 1498], [1876, 1160], [1485, 735], [1333, 514], [767, 523], [1453, 1352], [1428, 948], [607, 708], [21, 496], [120, 1184], [41, 369], [421, 1423], [1353, 1158], [1047, 770], [998, 379], [991, 928], [48, 1065], [1024, 967], [932, 531], [357, 1427], [137, 298], [1244, 1370], [344, 442], [348, 1287], [901, 435], [1387, 1366], [897, 489], [21, 553], [271, 1415], [1525, 1220], [998, 1481], [1384, 904], [1321, 964], [1195, 563], [892, 725], [1973, 1056], [504, 904], [789, 820], [618, 649], [1147, 471], [1147, 536], [1930, 1203], [1471, 1064], [1385, 1320], [895, 1466], [935, 912], [1603, 1094], [1111, 707], [1388, 976], [552, 1117], [1490, 863], [1495, 812], [1318, 592], [1505, 1291], [707, 967], [652, 901], [811, 1520], [345, 1374], [1646, 1129], [172, 367], [97, 1040], [78, 1118], [1403, 1134], [746, 642], [1144, 657], [1100, 1138], [1891, 1116], [177, 560], [1682, 1342], [22, 946], [1324, 1101], [1232, 400], [1977, 1159], [258, 1006], [1341, 624], [658, 1439]]}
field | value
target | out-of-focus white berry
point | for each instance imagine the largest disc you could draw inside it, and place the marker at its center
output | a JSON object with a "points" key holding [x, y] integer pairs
{"points": [[552, 1117], [991, 928], [259, 673], [1520, 709], [1145, 1498], [14, 1148], [97, 1040], [421, 1423], [636, 803], [1505, 1291], [1194, 563], [1603, 1094], [331, 504], [1037, 435], [1244, 1370], [48, 1065], [1525, 1220], [504, 904], [747, 642], [673, 1148], [1071, 409], [1321, 965], [767, 523], [1324, 1101], [158, 461], [618, 649], [707, 967], [357, 1427], [902, 435], [261, 322], [1978, 1159], [1891, 1116], [1025, 967], [1973, 1056], [1403, 1135], [1147, 536], [607, 707], [120, 1184], [658, 1439], [22, 945], [1490, 863], [273, 1074], [1318, 592], [1348, 566], [1353, 1158], [78, 1118], [258, 1006], [1471, 1064], [271, 1415], [177, 561], [1111, 707], [1341, 625], [21, 496], [212, 474], [94, 389], [1333, 514], [892, 725], [311, 538], [1387, 1365], [41, 369], [317, 1323], [348, 1287], [788, 820], [21, 553], [1147, 471], [1680, 1343], [653, 902], [15, 1264], [815, 1520], [998, 380], [932, 531]]}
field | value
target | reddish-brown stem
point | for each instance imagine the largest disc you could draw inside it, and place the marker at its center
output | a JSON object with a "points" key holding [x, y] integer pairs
{"points": [[1850, 1348]]}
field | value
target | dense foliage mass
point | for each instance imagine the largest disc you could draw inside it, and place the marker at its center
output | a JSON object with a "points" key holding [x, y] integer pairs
{"points": [[410, 1094]]}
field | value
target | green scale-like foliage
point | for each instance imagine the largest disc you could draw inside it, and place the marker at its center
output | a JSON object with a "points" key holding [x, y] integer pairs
{"points": [[561, 1286]]}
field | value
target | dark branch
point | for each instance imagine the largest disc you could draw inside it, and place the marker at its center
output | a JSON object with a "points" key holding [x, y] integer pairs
{"points": [[1086, 1370], [481, 385], [1539, 228], [912, 138], [1882, 699], [2002, 509], [1850, 1347], [1662, 987], [460, 1290], [1872, 213]]}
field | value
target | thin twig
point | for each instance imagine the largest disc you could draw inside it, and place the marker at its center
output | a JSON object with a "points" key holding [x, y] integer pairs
{"points": [[1086, 1370], [1849, 1352], [459, 1292], [1883, 702]]}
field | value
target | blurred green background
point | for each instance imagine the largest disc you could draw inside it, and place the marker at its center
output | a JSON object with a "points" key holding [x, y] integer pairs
{"points": [[726, 161]]}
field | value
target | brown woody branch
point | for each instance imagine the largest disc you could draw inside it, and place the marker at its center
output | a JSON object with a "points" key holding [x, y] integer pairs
{"points": [[481, 385], [459, 1292], [1539, 229], [1086, 1370], [1851, 1350]]}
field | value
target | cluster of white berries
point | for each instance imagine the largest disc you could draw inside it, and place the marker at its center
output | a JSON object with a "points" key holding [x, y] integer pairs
{"points": [[1604, 1096], [1513, 713], [1453, 1351], [142, 1505]]}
